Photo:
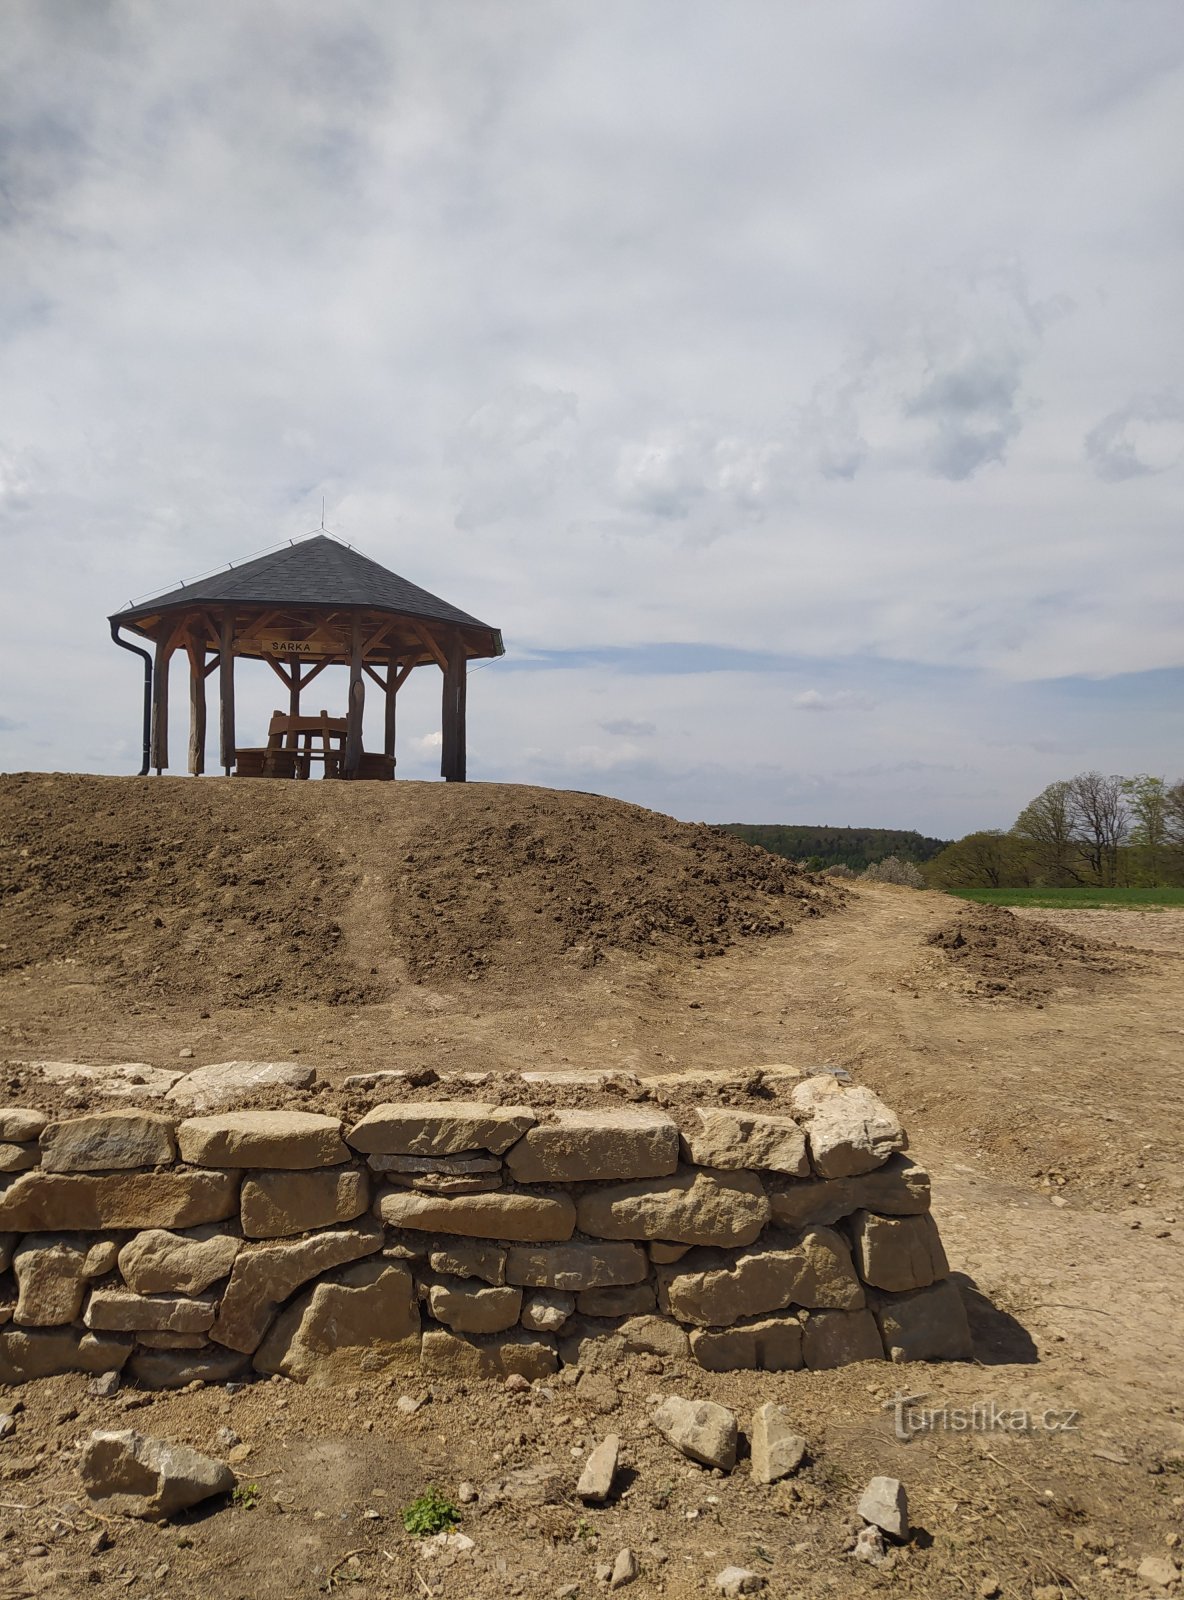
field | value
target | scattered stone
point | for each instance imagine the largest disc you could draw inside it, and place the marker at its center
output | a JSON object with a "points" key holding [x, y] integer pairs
{"points": [[44, 1201], [526, 1486], [546, 1310], [850, 1131], [149, 1478], [870, 1547], [363, 1320], [929, 1325], [159, 1262], [289, 1139], [738, 1580], [694, 1206], [625, 1569], [703, 1431], [265, 1276], [129, 1080], [440, 1128], [516, 1383], [736, 1141], [777, 1448], [713, 1289], [899, 1188], [524, 1217], [465, 1493], [107, 1141], [1159, 1570], [224, 1082], [575, 1267], [838, 1338], [596, 1480], [758, 1344], [885, 1504], [583, 1146], [276, 1205], [7, 1425], [898, 1253]]}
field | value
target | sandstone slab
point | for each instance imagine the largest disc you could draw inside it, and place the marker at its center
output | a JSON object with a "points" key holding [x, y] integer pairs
{"points": [[734, 1141], [693, 1206], [928, 1325], [52, 1271], [758, 1344], [885, 1504], [530, 1355], [223, 1082], [440, 1128], [596, 1480], [777, 1446], [296, 1140], [266, 1275], [19, 1157], [583, 1146], [46, 1352], [703, 1431], [523, 1217], [473, 1307], [850, 1130], [714, 1288], [898, 1253], [577, 1266], [361, 1321], [107, 1141], [899, 1188], [19, 1126], [464, 1259], [838, 1338], [127, 1080], [149, 1478], [51, 1201], [275, 1205], [121, 1311], [474, 1163], [160, 1262]]}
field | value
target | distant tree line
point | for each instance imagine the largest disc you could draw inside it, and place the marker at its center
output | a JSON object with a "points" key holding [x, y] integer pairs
{"points": [[819, 848], [1091, 831]]}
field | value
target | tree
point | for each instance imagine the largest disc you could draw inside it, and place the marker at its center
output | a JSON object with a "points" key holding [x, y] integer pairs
{"points": [[1148, 799], [1101, 822], [1046, 828], [989, 859]]}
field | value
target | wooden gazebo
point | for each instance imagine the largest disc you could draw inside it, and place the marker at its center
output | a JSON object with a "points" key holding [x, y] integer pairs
{"points": [[313, 604]]}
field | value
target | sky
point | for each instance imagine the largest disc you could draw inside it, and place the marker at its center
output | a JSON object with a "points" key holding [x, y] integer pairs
{"points": [[799, 387]]}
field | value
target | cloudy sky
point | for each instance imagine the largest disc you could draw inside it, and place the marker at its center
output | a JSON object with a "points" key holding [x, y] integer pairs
{"points": [[799, 387]]}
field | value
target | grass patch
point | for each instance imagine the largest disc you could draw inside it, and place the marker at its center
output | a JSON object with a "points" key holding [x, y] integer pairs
{"points": [[432, 1513], [1076, 899]]}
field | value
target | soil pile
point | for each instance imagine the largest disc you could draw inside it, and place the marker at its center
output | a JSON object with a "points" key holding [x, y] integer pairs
{"points": [[999, 955], [332, 893]]}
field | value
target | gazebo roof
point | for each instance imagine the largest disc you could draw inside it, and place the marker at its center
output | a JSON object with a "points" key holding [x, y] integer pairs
{"points": [[314, 572]]}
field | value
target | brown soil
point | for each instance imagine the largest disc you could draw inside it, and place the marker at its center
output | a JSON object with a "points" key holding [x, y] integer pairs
{"points": [[1050, 1111]]}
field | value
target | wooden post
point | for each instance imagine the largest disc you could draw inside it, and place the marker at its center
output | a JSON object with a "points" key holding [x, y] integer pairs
{"points": [[160, 705], [452, 720], [197, 707], [392, 689], [357, 702], [294, 704], [226, 692]]}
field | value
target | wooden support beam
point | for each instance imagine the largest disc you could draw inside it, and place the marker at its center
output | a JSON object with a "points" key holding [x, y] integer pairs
{"points": [[392, 689], [197, 708], [374, 676], [357, 703], [452, 753], [437, 654], [226, 692], [293, 739], [281, 672], [160, 705], [314, 672]]}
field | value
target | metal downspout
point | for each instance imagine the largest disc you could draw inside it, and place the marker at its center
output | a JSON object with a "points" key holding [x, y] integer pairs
{"points": [[136, 650]]}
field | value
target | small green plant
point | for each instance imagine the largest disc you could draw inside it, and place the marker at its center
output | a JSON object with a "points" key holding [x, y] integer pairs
{"points": [[432, 1513], [246, 1496]]}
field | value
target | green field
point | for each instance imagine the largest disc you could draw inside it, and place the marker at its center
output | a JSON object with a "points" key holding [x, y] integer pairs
{"points": [[1076, 899]]}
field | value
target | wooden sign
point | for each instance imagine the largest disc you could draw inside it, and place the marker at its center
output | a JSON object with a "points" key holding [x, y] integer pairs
{"points": [[299, 648]]}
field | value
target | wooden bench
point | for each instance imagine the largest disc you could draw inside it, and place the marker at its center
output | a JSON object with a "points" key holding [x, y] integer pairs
{"points": [[294, 743]]}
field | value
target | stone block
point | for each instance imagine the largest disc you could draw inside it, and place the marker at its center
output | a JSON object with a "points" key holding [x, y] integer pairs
{"points": [[149, 1340], [531, 1355], [45, 1201], [266, 1275], [45, 1352], [446, 1184], [899, 1188], [693, 1206], [758, 1344], [462, 1258], [850, 1130], [523, 1217], [635, 1300], [19, 1126], [655, 1336], [713, 1288], [578, 1266], [732, 1140], [837, 1338], [898, 1253], [662, 1252], [582, 1146], [121, 1311], [468, 1306], [360, 1322], [148, 1478], [176, 1368], [19, 1157], [440, 1128], [777, 1446], [159, 1262], [275, 1205], [126, 1080], [295, 1140], [52, 1271], [473, 1164], [223, 1082], [928, 1325], [107, 1141]]}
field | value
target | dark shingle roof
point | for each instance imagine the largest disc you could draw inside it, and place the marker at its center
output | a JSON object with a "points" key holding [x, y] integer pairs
{"points": [[317, 571]]}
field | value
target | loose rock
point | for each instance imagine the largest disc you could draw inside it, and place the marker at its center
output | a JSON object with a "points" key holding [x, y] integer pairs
{"points": [[596, 1480], [885, 1504], [702, 1430], [738, 1580], [777, 1448], [150, 1478]]}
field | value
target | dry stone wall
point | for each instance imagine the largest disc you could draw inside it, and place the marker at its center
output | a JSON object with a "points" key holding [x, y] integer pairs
{"points": [[470, 1238]]}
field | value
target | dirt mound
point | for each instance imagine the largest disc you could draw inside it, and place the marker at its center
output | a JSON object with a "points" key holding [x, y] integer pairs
{"points": [[998, 955], [246, 891]]}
